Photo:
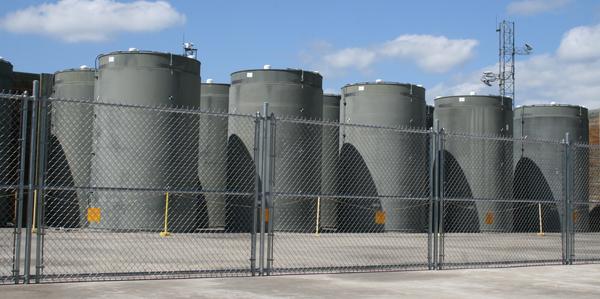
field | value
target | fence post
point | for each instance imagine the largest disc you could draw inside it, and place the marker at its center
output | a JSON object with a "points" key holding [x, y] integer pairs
{"points": [[572, 211], [431, 230], [571, 202], [42, 148], [31, 180], [22, 163], [255, 206], [260, 173], [440, 194], [269, 175], [567, 202]]}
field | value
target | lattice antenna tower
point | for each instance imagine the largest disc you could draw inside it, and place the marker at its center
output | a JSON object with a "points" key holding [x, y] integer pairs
{"points": [[506, 60]]}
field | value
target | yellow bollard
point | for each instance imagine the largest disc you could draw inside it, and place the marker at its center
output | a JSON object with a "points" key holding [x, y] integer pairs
{"points": [[33, 229], [318, 215], [165, 232], [541, 233]]}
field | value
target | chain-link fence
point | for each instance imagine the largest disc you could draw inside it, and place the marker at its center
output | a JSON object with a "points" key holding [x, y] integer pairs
{"points": [[501, 202], [98, 191], [13, 120], [149, 196], [585, 213], [359, 201]]}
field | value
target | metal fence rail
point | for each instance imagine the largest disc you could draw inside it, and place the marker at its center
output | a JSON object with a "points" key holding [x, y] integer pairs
{"points": [[98, 191]]}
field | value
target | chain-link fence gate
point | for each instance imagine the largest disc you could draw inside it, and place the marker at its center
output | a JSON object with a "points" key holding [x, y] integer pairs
{"points": [[14, 121], [134, 203], [501, 201], [347, 198], [97, 191], [585, 207]]}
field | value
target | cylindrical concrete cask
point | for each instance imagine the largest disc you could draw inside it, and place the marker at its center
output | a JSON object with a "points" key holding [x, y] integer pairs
{"points": [[383, 171], [145, 153], [291, 93], [539, 162], [330, 160], [212, 166], [478, 170], [70, 152]]}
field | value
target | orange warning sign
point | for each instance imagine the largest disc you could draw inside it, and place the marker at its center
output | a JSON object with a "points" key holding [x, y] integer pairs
{"points": [[267, 215], [380, 217], [93, 215], [489, 218]]}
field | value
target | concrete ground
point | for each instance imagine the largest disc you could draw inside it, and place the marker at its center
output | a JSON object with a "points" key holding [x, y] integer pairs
{"points": [[581, 281]]}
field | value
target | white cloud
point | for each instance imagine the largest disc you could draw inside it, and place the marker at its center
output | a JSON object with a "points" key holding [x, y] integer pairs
{"points": [[572, 78], [92, 20], [546, 78], [532, 7], [434, 54], [351, 58], [581, 43]]}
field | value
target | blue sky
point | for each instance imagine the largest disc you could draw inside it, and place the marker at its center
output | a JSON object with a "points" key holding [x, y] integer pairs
{"points": [[444, 45]]}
